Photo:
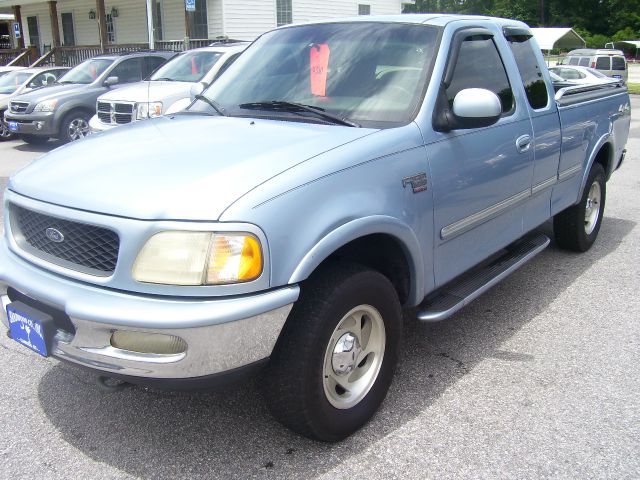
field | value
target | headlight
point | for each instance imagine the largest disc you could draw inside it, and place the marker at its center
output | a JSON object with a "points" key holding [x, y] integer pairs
{"points": [[199, 258], [148, 110], [46, 106]]}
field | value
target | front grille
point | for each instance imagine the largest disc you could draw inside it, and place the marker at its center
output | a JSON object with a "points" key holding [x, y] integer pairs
{"points": [[112, 113], [18, 107], [86, 248]]}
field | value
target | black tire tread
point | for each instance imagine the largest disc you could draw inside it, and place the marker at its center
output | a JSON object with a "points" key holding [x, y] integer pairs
{"points": [[283, 385]]}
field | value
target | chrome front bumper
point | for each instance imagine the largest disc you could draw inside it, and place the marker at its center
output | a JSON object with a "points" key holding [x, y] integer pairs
{"points": [[221, 334]]}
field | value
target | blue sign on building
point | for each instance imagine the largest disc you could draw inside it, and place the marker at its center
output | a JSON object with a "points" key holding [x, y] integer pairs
{"points": [[190, 5]]}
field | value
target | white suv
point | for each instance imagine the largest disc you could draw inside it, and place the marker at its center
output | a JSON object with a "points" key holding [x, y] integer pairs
{"points": [[168, 89]]}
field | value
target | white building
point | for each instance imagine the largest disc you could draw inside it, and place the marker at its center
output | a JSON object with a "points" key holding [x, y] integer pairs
{"points": [[126, 20]]}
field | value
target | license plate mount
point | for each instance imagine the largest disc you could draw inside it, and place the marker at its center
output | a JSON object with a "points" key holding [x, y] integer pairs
{"points": [[31, 327]]}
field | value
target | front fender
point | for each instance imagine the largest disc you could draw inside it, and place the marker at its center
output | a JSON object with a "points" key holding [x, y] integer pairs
{"points": [[375, 224]]}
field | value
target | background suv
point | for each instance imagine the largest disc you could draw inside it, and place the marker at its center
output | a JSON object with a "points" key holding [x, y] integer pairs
{"points": [[63, 110], [608, 61]]}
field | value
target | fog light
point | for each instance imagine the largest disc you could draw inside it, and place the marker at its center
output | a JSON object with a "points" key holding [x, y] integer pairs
{"points": [[148, 342], [39, 125]]}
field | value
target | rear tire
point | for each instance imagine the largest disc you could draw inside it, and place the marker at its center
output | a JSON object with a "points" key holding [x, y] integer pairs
{"points": [[577, 227], [344, 331], [35, 139]]}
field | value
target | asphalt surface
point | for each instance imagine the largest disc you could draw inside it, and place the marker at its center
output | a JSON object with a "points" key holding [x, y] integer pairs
{"points": [[538, 378]]}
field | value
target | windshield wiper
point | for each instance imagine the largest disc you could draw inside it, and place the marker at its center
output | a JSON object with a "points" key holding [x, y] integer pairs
{"points": [[215, 105], [294, 107], [162, 79], [66, 82]]}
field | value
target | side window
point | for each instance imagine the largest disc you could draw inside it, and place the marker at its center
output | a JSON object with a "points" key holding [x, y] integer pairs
{"points": [[584, 61], [151, 64], [530, 72], [479, 66], [128, 71], [574, 60], [618, 63], [42, 80], [569, 74], [603, 63]]}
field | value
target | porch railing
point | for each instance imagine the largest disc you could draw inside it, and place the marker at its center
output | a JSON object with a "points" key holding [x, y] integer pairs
{"points": [[72, 56], [18, 57]]}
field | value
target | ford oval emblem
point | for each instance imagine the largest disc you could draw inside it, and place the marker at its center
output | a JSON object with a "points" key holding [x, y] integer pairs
{"points": [[54, 235]]}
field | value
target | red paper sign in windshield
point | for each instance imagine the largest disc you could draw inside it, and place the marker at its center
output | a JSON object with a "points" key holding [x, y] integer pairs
{"points": [[319, 61]]}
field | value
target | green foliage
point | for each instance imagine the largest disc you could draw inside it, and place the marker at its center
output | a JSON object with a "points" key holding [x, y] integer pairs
{"points": [[598, 21]]}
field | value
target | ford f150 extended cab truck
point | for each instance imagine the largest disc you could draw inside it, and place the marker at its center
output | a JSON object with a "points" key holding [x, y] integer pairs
{"points": [[334, 174]]}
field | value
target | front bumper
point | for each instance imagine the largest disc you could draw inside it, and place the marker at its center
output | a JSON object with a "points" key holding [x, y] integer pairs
{"points": [[33, 123], [221, 334], [97, 126]]}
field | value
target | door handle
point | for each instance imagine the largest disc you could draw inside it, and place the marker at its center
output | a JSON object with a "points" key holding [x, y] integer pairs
{"points": [[523, 143]]}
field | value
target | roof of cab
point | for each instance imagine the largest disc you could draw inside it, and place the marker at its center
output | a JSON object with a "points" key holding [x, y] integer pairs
{"points": [[437, 19]]}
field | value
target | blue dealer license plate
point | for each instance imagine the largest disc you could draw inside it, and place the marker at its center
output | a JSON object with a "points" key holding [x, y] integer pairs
{"points": [[29, 327], [13, 126]]}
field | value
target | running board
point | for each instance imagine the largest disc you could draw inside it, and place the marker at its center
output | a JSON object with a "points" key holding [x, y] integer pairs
{"points": [[459, 294]]}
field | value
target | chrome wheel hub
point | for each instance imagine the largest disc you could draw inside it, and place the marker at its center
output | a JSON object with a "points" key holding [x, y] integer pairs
{"points": [[345, 354], [592, 208], [353, 356], [78, 128]]}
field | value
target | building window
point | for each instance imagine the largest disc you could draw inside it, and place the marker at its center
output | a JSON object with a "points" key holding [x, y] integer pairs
{"points": [[364, 9], [68, 35], [198, 21], [111, 31], [157, 20], [284, 12], [34, 33]]}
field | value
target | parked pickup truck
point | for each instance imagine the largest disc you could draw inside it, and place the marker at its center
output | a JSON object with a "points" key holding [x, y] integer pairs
{"points": [[168, 90], [335, 174]]}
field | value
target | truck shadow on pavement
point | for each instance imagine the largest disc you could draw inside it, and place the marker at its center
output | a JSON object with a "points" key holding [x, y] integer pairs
{"points": [[229, 434], [43, 148]]}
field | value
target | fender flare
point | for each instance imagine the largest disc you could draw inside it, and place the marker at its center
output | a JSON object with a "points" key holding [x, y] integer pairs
{"points": [[602, 141], [375, 224]]}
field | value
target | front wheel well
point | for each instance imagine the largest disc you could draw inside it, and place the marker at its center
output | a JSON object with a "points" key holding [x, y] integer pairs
{"points": [[380, 252]]}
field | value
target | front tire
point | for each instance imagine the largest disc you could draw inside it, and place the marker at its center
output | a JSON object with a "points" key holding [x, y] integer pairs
{"points": [[577, 227], [333, 364], [5, 133], [74, 126]]}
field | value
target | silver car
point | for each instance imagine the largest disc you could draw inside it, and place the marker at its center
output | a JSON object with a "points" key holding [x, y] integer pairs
{"points": [[19, 81]]}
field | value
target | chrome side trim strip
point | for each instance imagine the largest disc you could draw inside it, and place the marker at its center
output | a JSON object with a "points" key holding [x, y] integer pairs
{"points": [[483, 215], [569, 172], [543, 185]]}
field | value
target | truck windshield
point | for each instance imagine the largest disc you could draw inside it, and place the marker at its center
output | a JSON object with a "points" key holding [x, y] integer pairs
{"points": [[365, 73], [87, 71], [10, 82], [188, 67]]}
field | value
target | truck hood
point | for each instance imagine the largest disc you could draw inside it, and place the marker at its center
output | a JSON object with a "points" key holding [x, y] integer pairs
{"points": [[156, 91], [184, 167]]}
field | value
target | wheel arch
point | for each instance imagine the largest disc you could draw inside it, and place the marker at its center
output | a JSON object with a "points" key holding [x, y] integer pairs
{"points": [[603, 154], [66, 110], [358, 240]]}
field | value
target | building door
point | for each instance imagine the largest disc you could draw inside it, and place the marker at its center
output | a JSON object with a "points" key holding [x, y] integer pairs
{"points": [[198, 20], [34, 33], [68, 35]]}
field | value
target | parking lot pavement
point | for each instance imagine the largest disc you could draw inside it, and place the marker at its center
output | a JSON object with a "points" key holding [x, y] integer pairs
{"points": [[538, 378]]}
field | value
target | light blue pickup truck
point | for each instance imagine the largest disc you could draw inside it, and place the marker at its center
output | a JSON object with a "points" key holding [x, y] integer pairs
{"points": [[337, 173]]}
